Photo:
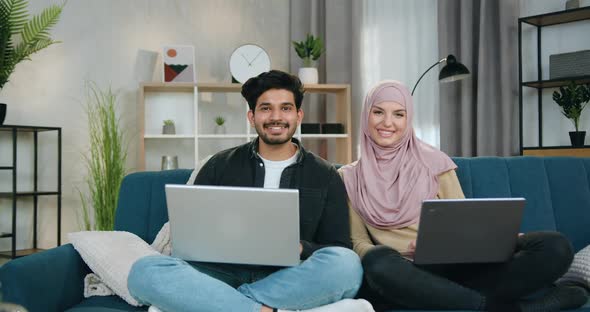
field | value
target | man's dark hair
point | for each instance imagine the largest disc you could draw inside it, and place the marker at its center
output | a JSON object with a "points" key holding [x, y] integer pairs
{"points": [[274, 79]]}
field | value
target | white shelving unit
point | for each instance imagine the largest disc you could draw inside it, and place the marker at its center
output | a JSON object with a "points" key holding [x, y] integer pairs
{"points": [[193, 108]]}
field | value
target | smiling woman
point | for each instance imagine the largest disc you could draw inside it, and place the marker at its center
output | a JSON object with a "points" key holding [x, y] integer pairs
{"points": [[387, 122]]}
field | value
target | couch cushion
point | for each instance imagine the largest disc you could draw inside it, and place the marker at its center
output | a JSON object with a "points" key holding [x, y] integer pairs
{"points": [[570, 196], [144, 200], [528, 179], [557, 190], [104, 304]]}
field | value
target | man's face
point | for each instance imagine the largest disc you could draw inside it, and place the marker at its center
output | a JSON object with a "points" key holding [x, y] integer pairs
{"points": [[275, 116]]}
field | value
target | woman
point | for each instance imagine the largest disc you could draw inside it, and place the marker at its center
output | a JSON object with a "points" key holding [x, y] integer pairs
{"points": [[396, 171]]}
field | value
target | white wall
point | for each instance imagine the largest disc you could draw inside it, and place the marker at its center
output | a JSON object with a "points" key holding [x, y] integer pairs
{"points": [[100, 43], [555, 39]]}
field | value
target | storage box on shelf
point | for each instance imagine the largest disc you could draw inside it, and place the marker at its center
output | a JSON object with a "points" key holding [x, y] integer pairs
{"points": [[540, 21], [194, 107]]}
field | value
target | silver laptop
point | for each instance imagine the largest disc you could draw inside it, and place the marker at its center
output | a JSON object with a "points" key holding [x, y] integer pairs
{"points": [[468, 230], [234, 224]]}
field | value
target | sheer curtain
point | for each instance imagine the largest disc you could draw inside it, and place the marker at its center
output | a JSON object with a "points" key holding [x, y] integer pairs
{"points": [[398, 39]]}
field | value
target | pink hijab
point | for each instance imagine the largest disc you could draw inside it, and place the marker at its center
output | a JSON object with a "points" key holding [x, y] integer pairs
{"points": [[387, 185]]}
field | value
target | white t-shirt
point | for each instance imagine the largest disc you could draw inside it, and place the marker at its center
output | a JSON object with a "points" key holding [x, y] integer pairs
{"points": [[274, 169]]}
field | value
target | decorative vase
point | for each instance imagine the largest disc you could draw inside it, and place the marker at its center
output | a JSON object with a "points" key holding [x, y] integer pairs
{"points": [[308, 75], [168, 129], [577, 138], [2, 113], [219, 129], [169, 162]]}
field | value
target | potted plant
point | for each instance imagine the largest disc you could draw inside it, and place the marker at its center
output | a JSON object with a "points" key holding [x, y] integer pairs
{"points": [[20, 36], [572, 99], [309, 50], [105, 161], [168, 127], [220, 128]]}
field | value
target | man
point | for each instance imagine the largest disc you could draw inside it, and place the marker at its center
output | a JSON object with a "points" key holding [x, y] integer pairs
{"points": [[329, 272]]}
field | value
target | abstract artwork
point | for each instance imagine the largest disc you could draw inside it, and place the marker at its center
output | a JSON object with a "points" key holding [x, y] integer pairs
{"points": [[179, 63]]}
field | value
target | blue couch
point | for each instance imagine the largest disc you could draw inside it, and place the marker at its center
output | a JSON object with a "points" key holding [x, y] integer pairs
{"points": [[557, 192]]}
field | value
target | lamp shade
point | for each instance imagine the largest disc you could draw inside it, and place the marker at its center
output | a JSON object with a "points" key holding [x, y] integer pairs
{"points": [[453, 70]]}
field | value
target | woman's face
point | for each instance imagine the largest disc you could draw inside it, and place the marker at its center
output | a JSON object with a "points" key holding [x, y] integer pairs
{"points": [[387, 123]]}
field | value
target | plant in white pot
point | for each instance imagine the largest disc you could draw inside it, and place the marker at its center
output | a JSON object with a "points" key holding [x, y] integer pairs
{"points": [[573, 99], [220, 125], [20, 36], [309, 50]]}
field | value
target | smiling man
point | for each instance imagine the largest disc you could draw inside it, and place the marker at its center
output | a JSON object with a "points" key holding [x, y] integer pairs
{"points": [[329, 274]]}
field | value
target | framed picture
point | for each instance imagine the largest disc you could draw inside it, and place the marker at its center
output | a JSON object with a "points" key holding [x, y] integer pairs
{"points": [[179, 63]]}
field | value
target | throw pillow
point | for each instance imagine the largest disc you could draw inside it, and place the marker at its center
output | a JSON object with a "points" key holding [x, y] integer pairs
{"points": [[110, 255], [579, 271], [193, 177]]}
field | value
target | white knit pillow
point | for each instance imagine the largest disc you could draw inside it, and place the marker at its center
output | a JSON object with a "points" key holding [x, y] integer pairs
{"points": [[110, 255], [579, 271]]}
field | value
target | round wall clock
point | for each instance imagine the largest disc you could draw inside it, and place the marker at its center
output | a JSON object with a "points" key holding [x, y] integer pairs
{"points": [[248, 61]]}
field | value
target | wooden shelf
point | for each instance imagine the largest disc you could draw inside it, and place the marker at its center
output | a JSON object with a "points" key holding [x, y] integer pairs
{"points": [[340, 94], [224, 136], [167, 87], [559, 82], [22, 194], [169, 136], [556, 18], [557, 151], [20, 253], [541, 20], [228, 87], [324, 136]]}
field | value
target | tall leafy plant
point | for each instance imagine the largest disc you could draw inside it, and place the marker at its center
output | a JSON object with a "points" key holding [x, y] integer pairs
{"points": [[572, 99], [105, 160], [20, 36]]}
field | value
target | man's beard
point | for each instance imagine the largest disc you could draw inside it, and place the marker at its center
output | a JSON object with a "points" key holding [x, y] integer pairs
{"points": [[273, 140]]}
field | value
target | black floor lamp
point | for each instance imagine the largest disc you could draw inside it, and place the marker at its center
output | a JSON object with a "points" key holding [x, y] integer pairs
{"points": [[452, 71]]}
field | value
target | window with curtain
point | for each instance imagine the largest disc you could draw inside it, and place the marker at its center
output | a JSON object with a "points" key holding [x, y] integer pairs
{"points": [[398, 40]]}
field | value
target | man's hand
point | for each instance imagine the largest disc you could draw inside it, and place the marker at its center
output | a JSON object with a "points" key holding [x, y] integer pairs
{"points": [[300, 249]]}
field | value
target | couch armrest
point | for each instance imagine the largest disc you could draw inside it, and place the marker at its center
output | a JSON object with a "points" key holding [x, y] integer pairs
{"points": [[52, 280]]}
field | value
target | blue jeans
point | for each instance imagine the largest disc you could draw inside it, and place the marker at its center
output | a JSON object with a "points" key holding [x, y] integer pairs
{"points": [[328, 275]]}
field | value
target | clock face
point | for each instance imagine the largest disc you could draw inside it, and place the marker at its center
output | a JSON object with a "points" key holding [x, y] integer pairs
{"points": [[248, 61]]}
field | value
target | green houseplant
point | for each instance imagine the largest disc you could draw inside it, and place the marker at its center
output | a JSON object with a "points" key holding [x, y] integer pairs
{"points": [[309, 50], [21, 36], [572, 99], [219, 128], [105, 160], [219, 120], [168, 127]]}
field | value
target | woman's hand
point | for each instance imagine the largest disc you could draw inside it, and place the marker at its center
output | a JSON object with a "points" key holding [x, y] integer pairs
{"points": [[411, 250]]}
